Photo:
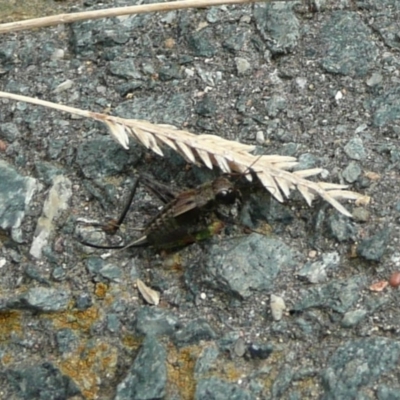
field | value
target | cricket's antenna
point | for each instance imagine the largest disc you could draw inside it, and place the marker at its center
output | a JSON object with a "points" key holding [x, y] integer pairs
{"points": [[248, 169]]}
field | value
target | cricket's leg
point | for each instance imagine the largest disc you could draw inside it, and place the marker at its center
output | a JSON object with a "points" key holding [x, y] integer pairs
{"points": [[113, 225], [127, 205]]}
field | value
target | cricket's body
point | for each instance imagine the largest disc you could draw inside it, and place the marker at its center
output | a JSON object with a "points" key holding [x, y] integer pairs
{"points": [[184, 220]]}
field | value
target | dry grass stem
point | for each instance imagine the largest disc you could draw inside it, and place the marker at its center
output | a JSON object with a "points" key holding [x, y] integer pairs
{"points": [[212, 150], [114, 12]]}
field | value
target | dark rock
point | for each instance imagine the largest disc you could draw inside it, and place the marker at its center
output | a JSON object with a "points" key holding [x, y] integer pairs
{"points": [[169, 72], [67, 340], [41, 299], [260, 351], [278, 25], [348, 47], [235, 42], [352, 172], [373, 248], [147, 377], [352, 318], [16, 192], [125, 69], [275, 105], [355, 149], [357, 364], [47, 171], [103, 157], [193, 332], [41, 382], [113, 323], [341, 227], [83, 301], [206, 360], [216, 389], [247, 264], [282, 381], [9, 132], [316, 271], [336, 295], [200, 45], [171, 109], [386, 107], [155, 321], [206, 107]]}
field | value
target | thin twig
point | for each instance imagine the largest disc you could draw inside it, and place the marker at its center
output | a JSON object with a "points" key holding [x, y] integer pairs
{"points": [[114, 12]]}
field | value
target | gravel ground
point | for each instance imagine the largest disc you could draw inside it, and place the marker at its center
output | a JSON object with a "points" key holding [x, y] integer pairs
{"points": [[318, 80]]}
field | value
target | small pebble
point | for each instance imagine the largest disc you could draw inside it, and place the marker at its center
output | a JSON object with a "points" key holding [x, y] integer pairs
{"points": [[394, 280], [277, 305]]}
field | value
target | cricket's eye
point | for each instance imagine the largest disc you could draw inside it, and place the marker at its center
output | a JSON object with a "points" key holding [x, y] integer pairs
{"points": [[226, 195]]}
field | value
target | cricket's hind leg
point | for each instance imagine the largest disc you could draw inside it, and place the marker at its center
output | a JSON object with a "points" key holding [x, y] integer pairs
{"points": [[112, 226]]}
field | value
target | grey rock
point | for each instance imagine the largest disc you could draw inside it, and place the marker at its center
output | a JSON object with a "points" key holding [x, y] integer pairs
{"points": [[242, 65], [206, 360], [111, 272], [125, 69], [206, 107], [155, 321], [169, 72], [239, 349], [47, 171], [193, 332], [41, 299], [357, 364], [201, 45], [375, 79], [248, 264], [16, 192], [341, 227], [147, 377], [373, 248], [56, 147], [275, 105], [235, 42], [352, 172], [387, 28], [278, 25], [338, 295], [385, 392], [41, 382], [91, 36], [352, 318], [83, 301], [282, 381], [67, 340], [306, 161], [174, 109], [103, 157], [95, 264], [386, 108], [56, 202], [217, 389], [347, 44], [316, 271], [113, 323], [9, 132], [355, 149]]}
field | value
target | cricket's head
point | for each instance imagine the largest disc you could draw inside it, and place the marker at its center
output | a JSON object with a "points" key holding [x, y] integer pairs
{"points": [[224, 190]]}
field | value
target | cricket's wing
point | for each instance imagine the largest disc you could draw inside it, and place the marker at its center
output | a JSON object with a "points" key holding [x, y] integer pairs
{"points": [[184, 203]]}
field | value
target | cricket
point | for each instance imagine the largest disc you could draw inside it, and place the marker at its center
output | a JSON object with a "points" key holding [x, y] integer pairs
{"points": [[187, 217]]}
